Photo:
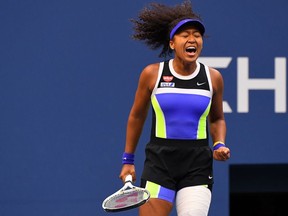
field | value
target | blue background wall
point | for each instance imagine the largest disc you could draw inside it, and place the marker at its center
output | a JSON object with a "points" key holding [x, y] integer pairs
{"points": [[68, 72]]}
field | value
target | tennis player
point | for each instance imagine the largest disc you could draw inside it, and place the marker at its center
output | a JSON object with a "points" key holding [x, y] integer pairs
{"points": [[186, 98]]}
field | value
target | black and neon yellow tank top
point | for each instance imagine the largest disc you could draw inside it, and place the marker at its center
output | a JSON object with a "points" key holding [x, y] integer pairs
{"points": [[181, 104]]}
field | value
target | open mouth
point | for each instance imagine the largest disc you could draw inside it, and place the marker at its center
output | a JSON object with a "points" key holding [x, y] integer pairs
{"points": [[191, 49]]}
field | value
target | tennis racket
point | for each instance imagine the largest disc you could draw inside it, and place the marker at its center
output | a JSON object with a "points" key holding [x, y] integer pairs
{"points": [[128, 197]]}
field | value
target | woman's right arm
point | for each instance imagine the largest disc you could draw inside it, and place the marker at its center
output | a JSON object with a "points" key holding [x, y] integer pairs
{"points": [[138, 114]]}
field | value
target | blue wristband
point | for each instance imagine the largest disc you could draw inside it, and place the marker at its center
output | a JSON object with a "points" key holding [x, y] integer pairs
{"points": [[128, 158], [218, 145]]}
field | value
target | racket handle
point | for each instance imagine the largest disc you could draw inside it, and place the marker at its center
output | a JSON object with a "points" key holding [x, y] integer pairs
{"points": [[128, 178]]}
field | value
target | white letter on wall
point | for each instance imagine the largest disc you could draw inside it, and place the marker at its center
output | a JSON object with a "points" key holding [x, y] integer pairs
{"points": [[244, 84]]}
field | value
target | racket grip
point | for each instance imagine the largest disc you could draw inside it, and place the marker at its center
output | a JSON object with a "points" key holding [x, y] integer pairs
{"points": [[128, 178]]}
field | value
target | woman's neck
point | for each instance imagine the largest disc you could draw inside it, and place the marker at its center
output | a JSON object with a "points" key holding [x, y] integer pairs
{"points": [[184, 68]]}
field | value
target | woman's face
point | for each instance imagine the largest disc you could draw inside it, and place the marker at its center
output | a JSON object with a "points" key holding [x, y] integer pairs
{"points": [[187, 43]]}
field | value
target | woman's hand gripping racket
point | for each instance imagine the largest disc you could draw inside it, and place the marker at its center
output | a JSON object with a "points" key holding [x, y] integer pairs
{"points": [[128, 197]]}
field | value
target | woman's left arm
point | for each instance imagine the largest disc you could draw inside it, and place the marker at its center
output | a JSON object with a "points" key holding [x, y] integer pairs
{"points": [[216, 118]]}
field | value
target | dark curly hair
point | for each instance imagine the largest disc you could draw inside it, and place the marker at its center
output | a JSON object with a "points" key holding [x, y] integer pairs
{"points": [[154, 24]]}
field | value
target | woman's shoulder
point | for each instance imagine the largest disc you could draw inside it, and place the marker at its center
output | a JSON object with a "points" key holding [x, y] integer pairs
{"points": [[149, 74], [216, 78], [214, 73], [152, 68]]}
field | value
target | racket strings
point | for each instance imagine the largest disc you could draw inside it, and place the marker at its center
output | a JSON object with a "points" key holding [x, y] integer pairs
{"points": [[126, 198]]}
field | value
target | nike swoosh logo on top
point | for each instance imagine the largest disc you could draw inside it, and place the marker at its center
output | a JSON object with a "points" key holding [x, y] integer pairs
{"points": [[199, 84]]}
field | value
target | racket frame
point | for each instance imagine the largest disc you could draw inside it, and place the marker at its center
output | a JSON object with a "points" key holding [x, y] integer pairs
{"points": [[127, 188]]}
